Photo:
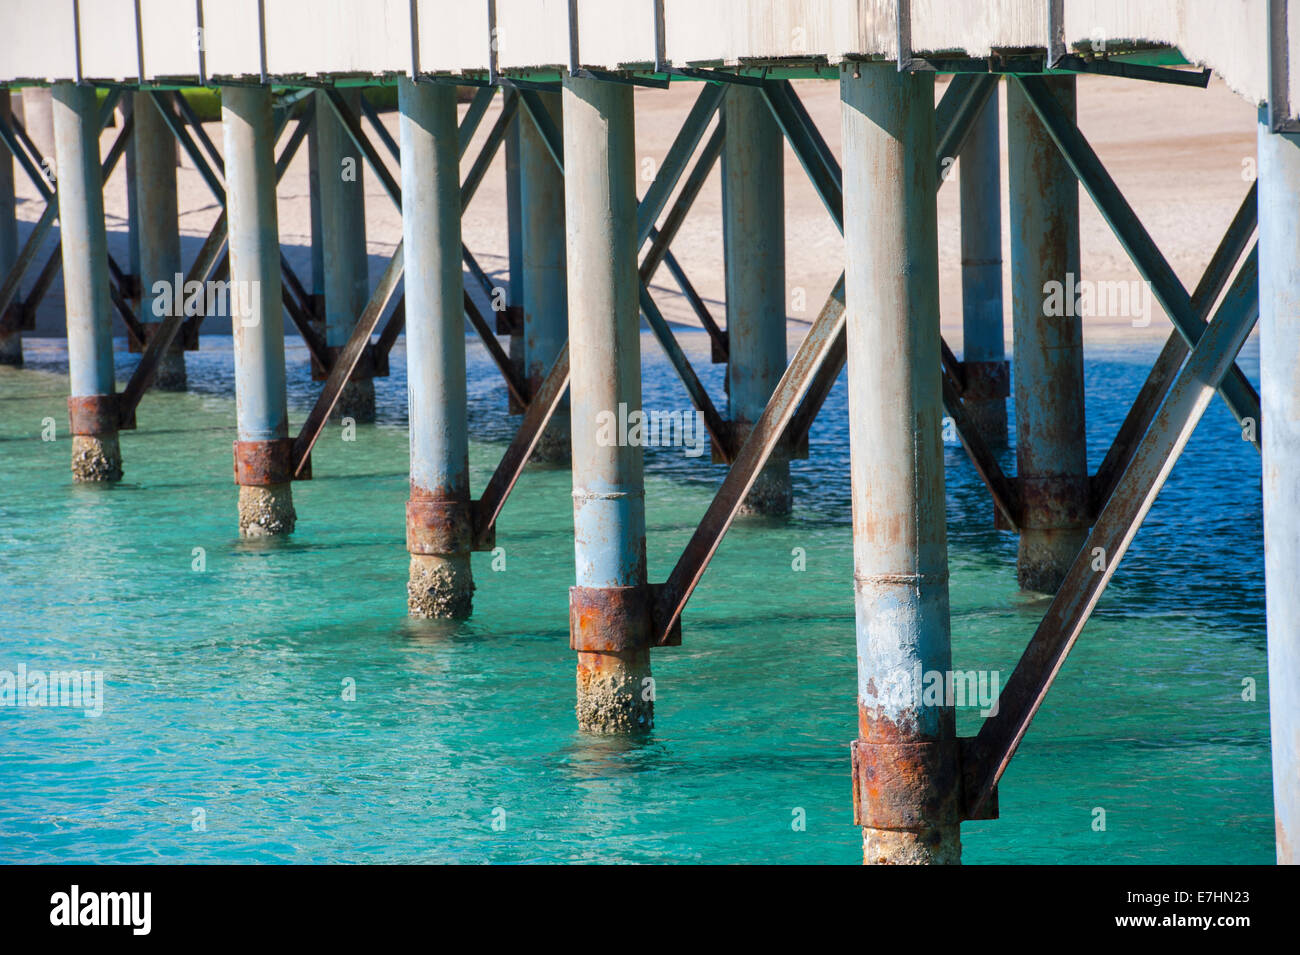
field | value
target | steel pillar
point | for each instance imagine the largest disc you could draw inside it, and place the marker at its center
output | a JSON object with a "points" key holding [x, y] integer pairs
{"points": [[343, 239], [439, 524], [1279, 347], [987, 383], [313, 198], [92, 409], [38, 118], [159, 234], [125, 109], [545, 292], [263, 453], [753, 212], [906, 794], [609, 609], [515, 250], [11, 338], [1051, 453]]}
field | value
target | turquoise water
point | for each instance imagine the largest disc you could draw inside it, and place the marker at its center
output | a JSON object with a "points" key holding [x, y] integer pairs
{"points": [[223, 687]]}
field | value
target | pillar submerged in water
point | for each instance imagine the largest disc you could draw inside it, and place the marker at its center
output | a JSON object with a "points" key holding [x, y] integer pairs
{"points": [[341, 178], [609, 608], [541, 254], [92, 409], [905, 757], [987, 383], [753, 155], [1051, 442], [1279, 349], [159, 233], [263, 451], [439, 524]]}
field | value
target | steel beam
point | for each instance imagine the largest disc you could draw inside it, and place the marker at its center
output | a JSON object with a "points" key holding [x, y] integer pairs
{"points": [[263, 451], [11, 341], [753, 211], [1279, 346], [905, 760], [96, 452], [439, 519], [609, 621], [986, 381]]}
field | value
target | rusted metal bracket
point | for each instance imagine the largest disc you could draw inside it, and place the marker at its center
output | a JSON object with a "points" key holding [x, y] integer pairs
{"points": [[914, 785], [98, 414], [1211, 358], [267, 462], [617, 619]]}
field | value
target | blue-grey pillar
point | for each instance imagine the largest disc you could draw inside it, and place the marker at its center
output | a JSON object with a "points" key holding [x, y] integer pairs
{"points": [[1279, 349], [1051, 450], [343, 239], [753, 210], [263, 452], [905, 758], [609, 623], [126, 108], [438, 518], [545, 290], [96, 454], [983, 336], [313, 200], [515, 247], [11, 337], [159, 233]]}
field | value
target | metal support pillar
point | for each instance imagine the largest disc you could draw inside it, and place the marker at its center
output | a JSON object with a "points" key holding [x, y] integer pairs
{"points": [[511, 321], [1279, 347], [1051, 453], [905, 760], [264, 450], [609, 609], [313, 198], [753, 214], [38, 117], [545, 292], [159, 234], [125, 110], [439, 520], [11, 338], [986, 379], [92, 409], [343, 239]]}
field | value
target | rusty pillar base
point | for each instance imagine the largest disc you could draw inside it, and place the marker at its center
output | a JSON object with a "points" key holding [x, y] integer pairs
{"points": [[170, 375], [11, 349], [96, 458], [615, 692], [1045, 556], [989, 415], [266, 510], [912, 846], [553, 449], [356, 401], [440, 586]]}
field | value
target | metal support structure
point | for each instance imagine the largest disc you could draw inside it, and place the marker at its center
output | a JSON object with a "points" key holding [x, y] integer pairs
{"points": [[263, 451], [313, 198], [11, 338], [544, 296], [753, 212], [1051, 443], [510, 320], [985, 377], [905, 760], [92, 409], [439, 519], [159, 232], [1279, 294], [341, 178], [609, 608]]}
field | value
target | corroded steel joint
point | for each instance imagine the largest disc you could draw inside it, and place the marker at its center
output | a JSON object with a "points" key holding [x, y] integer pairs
{"points": [[262, 463], [94, 414], [438, 526], [615, 619], [906, 785], [986, 380], [1059, 501]]}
